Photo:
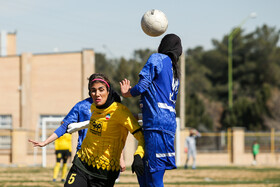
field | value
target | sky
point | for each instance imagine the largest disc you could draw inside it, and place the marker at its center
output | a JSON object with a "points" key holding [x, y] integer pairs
{"points": [[113, 27]]}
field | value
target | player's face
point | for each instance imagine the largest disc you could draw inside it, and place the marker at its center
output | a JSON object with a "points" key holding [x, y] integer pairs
{"points": [[99, 93]]}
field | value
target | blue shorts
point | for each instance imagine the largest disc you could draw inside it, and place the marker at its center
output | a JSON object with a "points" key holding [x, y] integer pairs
{"points": [[159, 150], [149, 179]]}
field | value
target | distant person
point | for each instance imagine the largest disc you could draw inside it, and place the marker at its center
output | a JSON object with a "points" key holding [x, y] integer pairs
{"points": [[190, 147], [255, 151], [63, 148]]}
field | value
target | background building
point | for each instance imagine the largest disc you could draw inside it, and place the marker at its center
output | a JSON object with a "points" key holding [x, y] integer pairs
{"points": [[37, 88]]}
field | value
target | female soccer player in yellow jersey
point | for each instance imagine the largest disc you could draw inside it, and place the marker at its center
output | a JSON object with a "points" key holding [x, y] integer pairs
{"points": [[97, 162]]}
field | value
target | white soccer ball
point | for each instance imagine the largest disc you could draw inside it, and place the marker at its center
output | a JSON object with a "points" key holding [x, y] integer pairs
{"points": [[154, 23]]}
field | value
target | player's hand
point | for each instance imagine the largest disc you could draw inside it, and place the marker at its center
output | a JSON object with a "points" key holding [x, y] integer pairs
{"points": [[122, 164], [137, 165], [125, 88], [37, 144]]}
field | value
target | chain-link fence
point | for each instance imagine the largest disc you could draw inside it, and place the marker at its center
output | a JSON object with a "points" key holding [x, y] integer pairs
{"points": [[221, 141], [268, 141]]}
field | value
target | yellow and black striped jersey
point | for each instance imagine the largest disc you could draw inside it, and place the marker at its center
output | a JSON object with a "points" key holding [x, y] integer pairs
{"points": [[106, 137]]}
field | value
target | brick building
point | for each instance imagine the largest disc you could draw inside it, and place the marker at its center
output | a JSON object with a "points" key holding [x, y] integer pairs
{"points": [[33, 88]]}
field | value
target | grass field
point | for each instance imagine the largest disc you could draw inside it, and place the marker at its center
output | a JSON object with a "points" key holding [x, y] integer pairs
{"points": [[202, 176]]}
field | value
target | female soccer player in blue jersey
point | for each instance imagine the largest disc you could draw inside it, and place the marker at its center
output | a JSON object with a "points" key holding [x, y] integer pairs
{"points": [[158, 86]]}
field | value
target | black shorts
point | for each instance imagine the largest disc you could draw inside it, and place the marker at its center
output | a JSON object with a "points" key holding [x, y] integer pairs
{"points": [[78, 178], [62, 154]]}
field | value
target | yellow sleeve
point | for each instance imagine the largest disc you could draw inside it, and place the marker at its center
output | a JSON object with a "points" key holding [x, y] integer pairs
{"points": [[141, 143], [134, 128]]}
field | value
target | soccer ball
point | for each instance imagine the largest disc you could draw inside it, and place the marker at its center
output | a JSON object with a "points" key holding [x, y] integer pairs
{"points": [[154, 23]]}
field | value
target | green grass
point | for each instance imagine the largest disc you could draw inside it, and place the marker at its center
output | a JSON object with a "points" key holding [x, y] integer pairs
{"points": [[202, 176]]}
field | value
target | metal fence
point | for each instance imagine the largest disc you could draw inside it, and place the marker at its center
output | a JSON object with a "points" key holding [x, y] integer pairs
{"points": [[268, 141], [222, 141], [208, 142], [213, 142]]}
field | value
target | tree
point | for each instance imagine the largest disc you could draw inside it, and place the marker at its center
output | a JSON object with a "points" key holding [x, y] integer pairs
{"points": [[256, 80]]}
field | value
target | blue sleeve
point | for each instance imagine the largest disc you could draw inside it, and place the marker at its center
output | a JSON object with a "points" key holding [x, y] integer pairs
{"points": [[147, 74], [140, 87], [71, 117]]}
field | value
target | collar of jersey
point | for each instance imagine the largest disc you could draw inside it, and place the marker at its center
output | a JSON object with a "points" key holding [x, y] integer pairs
{"points": [[104, 110]]}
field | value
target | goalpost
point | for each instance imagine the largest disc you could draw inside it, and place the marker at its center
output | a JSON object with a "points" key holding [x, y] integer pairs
{"points": [[48, 123]]}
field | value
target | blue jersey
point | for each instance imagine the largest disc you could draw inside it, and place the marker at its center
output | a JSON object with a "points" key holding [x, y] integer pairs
{"points": [[79, 113], [158, 90]]}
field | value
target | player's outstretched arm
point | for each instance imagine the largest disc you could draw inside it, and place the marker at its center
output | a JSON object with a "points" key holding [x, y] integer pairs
{"points": [[73, 127], [50, 139], [125, 88]]}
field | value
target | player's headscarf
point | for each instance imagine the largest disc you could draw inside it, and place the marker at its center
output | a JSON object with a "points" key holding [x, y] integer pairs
{"points": [[171, 46]]}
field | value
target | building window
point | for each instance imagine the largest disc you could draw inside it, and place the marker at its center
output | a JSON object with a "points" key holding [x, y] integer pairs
{"points": [[5, 127], [52, 121], [5, 121], [5, 142]]}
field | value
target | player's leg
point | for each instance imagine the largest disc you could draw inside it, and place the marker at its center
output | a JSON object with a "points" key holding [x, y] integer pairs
{"points": [[254, 161], [64, 167], [56, 170], [159, 149], [142, 179], [118, 178], [155, 179], [76, 178], [97, 182], [187, 161], [64, 172], [57, 165], [194, 161]]}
